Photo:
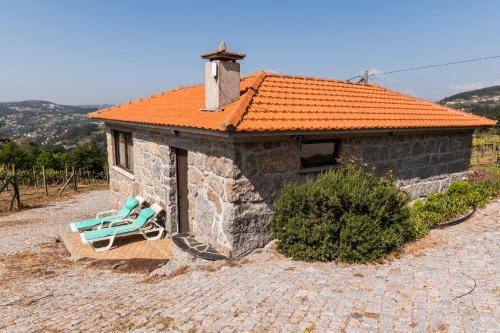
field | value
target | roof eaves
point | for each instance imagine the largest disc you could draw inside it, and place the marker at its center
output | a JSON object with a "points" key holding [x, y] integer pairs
{"points": [[96, 114], [464, 113]]}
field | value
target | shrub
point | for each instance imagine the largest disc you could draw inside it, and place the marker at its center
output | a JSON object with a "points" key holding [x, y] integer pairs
{"points": [[346, 214], [486, 181], [445, 206]]}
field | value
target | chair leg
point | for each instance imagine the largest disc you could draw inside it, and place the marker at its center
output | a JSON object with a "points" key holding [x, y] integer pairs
{"points": [[104, 248], [160, 233]]}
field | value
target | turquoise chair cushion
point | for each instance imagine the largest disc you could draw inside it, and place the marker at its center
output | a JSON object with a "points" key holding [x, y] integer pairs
{"points": [[129, 206], [131, 203], [95, 222], [144, 216]]}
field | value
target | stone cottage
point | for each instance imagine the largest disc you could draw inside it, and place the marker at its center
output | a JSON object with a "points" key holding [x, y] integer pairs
{"points": [[215, 155]]}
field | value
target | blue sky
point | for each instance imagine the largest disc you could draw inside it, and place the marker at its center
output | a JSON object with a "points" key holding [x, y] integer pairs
{"points": [[86, 52]]}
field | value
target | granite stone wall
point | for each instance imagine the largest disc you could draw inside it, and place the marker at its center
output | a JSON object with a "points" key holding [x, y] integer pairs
{"points": [[423, 163], [232, 185], [211, 173]]}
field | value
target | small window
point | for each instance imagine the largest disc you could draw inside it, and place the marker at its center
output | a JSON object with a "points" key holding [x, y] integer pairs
{"points": [[124, 152], [319, 153]]}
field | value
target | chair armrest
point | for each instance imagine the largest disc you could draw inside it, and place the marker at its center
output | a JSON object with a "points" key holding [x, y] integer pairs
{"points": [[120, 221], [106, 213], [110, 221]]}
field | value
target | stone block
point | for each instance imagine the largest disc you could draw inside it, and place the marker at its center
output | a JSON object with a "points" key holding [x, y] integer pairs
{"points": [[242, 190], [191, 158], [215, 199], [156, 168], [277, 161], [422, 189], [424, 172], [202, 213], [440, 169], [444, 146], [374, 153], [216, 184], [458, 166], [420, 147], [455, 177], [166, 155], [154, 149], [400, 150], [439, 158], [219, 165], [249, 229], [195, 177]]}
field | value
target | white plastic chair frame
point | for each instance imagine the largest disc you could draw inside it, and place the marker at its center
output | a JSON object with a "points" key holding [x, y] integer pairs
{"points": [[134, 230], [109, 219]]}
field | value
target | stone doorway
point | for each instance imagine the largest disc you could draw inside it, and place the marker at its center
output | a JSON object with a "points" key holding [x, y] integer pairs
{"points": [[182, 190]]}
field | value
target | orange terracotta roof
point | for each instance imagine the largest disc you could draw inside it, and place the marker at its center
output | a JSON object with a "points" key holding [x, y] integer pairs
{"points": [[274, 102]]}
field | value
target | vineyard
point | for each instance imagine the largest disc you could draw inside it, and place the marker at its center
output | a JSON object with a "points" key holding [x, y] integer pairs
{"points": [[485, 150], [20, 189]]}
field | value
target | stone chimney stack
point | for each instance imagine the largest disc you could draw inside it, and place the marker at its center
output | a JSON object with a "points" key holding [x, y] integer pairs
{"points": [[222, 77]]}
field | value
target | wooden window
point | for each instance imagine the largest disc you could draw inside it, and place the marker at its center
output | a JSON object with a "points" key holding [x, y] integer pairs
{"points": [[316, 153], [124, 150]]}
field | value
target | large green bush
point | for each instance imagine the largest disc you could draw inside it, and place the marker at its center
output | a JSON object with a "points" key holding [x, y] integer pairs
{"points": [[346, 214]]}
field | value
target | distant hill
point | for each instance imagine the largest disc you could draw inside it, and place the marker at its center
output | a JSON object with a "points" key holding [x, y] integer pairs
{"points": [[483, 102], [468, 95], [96, 106], [47, 123]]}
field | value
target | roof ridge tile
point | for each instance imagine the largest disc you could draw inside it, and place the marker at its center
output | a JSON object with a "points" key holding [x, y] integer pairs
{"points": [[233, 119]]}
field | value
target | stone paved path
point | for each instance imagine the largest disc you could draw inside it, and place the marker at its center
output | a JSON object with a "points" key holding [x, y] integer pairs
{"points": [[264, 292]]}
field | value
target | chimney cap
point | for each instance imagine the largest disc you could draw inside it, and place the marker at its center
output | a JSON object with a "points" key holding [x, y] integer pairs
{"points": [[223, 53]]}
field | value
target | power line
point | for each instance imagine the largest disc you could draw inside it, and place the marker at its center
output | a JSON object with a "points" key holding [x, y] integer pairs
{"points": [[425, 67]]}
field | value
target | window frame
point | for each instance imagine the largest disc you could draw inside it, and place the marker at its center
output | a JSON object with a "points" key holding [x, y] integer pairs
{"points": [[320, 165], [128, 142]]}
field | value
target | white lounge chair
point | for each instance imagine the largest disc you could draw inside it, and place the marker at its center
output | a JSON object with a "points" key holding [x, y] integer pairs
{"points": [[133, 204], [126, 227]]}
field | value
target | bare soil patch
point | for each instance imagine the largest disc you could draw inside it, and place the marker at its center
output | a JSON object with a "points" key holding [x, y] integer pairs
{"points": [[34, 197], [46, 264], [136, 266]]}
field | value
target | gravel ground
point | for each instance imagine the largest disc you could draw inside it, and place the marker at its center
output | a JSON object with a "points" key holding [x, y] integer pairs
{"points": [[448, 282], [28, 228]]}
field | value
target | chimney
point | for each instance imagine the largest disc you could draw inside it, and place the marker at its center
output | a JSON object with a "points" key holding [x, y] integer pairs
{"points": [[222, 77]]}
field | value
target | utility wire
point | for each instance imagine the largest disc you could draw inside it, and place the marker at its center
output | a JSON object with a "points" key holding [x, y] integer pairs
{"points": [[424, 67]]}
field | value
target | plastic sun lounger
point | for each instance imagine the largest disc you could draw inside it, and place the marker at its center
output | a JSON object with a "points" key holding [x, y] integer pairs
{"points": [[126, 227], [132, 205]]}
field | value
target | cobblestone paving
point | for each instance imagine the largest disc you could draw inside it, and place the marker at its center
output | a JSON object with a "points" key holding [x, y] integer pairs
{"points": [[261, 293]]}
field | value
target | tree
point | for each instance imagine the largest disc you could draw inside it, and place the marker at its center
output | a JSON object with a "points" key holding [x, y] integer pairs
{"points": [[12, 154], [89, 157], [46, 158]]}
